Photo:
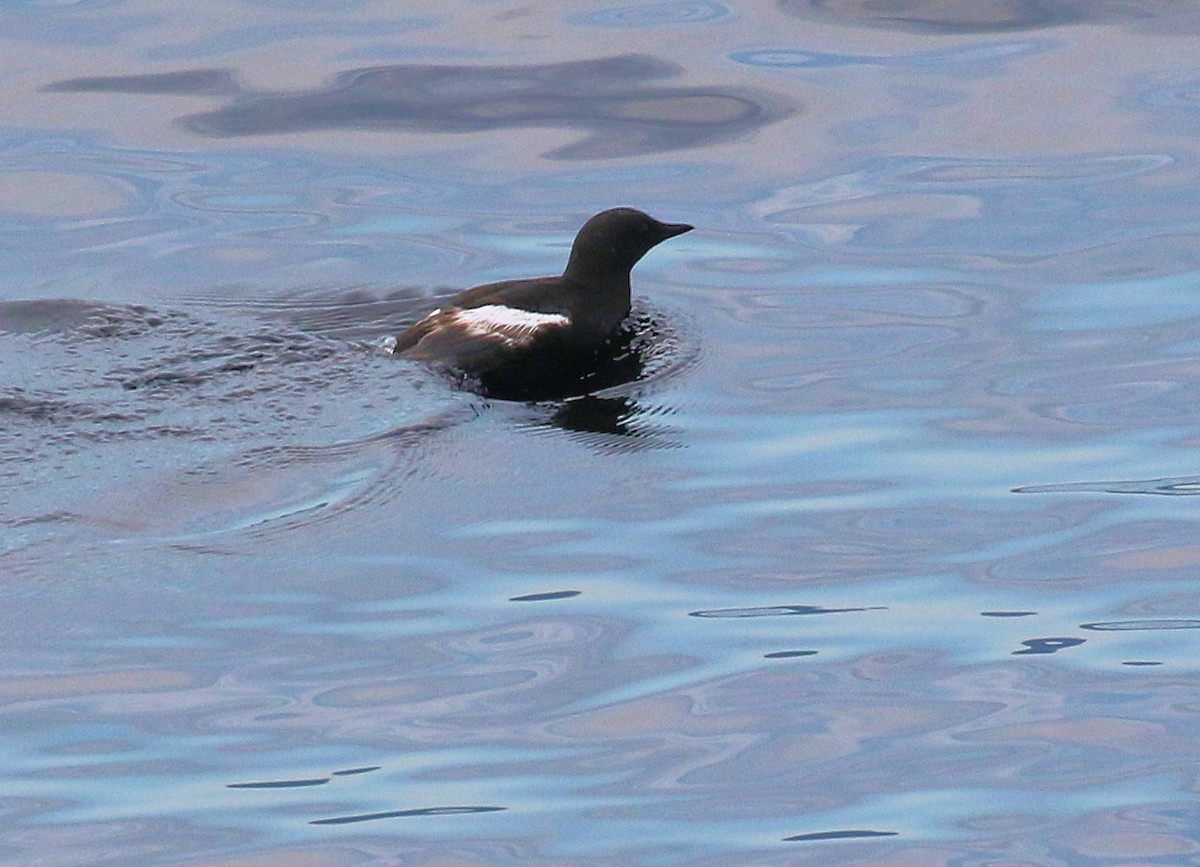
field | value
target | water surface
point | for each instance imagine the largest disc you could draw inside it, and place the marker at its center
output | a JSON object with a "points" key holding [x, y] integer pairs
{"points": [[847, 568]]}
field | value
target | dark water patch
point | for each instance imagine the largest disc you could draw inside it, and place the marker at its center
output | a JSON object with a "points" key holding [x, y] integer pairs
{"points": [[1007, 613], [1175, 486], [818, 836], [353, 772], [1140, 625], [57, 412], [941, 16], [548, 596], [83, 319], [779, 611], [45, 315], [405, 814], [953, 17], [611, 98], [209, 82], [789, 654], [1047, 645], [280, 784]]}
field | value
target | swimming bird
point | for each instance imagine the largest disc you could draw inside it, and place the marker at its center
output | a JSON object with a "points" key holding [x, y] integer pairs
{"points": [[516, 335]]}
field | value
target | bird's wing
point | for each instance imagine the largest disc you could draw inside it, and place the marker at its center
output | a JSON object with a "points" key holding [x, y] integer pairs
{"points": [[412, 335], [476, 337], [513, 293]]}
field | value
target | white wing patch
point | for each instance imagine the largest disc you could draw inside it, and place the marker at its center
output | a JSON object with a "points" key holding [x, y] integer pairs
{"points": [[513, 326]]}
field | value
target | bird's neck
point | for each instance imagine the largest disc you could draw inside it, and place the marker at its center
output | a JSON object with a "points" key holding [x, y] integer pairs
{"points": [[603, 293]]}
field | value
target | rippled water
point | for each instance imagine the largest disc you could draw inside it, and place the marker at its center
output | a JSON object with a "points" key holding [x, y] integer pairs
{"points": [[840, 568]]}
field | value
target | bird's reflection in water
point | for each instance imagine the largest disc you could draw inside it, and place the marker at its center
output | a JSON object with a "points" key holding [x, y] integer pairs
{"points": [[595, 414], [616, 423]]}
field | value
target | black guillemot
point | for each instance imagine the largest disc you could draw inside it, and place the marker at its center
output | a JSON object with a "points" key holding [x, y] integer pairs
{"points": [[512, 335]]}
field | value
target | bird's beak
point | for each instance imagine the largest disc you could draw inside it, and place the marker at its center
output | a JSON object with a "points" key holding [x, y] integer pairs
{"points": [[670, 230]]}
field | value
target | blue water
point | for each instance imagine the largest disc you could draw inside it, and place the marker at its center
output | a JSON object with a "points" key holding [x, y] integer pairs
{"points": [[883, 557]]}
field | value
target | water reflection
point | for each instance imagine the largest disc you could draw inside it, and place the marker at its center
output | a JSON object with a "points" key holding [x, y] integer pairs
{"points": [[991, 16], [817, 836], [942, 16], [1040, 646], [603, 415], [205, 82], [1176, 486], [781, 611], [603, 423], [1141, 625], [612, 98], [280, 784], [548, 596], [398, 814]]}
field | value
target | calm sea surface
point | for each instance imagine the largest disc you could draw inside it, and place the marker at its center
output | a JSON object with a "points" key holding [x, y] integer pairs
{"points": [[887, 555]]}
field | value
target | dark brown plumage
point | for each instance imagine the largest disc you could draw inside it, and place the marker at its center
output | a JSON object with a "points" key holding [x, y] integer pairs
{"points": [[544, 327]]}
